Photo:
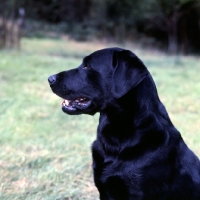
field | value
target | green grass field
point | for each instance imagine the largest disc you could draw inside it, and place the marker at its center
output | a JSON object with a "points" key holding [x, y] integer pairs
{"points": [[44, 153]]}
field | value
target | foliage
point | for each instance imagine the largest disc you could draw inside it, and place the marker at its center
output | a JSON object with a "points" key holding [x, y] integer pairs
{"points": [[11, 23], [173, 24], [44, 153]]}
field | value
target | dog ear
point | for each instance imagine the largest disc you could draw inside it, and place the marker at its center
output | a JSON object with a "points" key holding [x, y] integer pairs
{"points": [[129, 71]]}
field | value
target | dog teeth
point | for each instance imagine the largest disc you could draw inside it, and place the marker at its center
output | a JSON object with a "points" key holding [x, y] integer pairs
{"points": [[78, 101], [66, 102], [82, 99]]}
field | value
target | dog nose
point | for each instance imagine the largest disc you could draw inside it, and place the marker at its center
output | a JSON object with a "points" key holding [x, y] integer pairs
{"points": [[52, 79]]}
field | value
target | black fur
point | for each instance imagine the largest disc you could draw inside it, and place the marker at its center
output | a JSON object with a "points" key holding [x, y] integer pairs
{"points": [[138, 153]]}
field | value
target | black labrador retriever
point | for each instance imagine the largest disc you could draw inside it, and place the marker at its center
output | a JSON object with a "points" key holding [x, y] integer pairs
{"points": [[138, 153]]}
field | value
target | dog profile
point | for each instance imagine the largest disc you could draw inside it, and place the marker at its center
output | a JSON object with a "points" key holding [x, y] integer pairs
{"points": [[138, 154]]}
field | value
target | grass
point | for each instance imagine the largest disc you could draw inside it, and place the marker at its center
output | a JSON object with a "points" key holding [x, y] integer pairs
{"points": [[44, 153]]}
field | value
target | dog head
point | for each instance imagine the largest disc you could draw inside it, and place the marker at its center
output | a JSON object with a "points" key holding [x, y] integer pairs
{"points": [[103, 76]]}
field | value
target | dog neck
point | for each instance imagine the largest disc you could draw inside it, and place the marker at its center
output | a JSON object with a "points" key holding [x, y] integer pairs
{"points": [[142, 119]]}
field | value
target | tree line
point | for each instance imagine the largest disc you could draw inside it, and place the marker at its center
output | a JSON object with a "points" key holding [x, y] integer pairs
{"points": [[173, 25]]}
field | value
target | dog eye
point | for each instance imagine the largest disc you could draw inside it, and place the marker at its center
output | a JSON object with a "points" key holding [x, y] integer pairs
{"points": [[86, 67]]}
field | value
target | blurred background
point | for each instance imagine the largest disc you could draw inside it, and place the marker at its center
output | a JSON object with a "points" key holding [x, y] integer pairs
{"points": [[170, 25], [44, 153]]}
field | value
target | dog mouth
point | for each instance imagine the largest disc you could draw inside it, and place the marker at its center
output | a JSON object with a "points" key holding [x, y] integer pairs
{"points": [[81, 103]]}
